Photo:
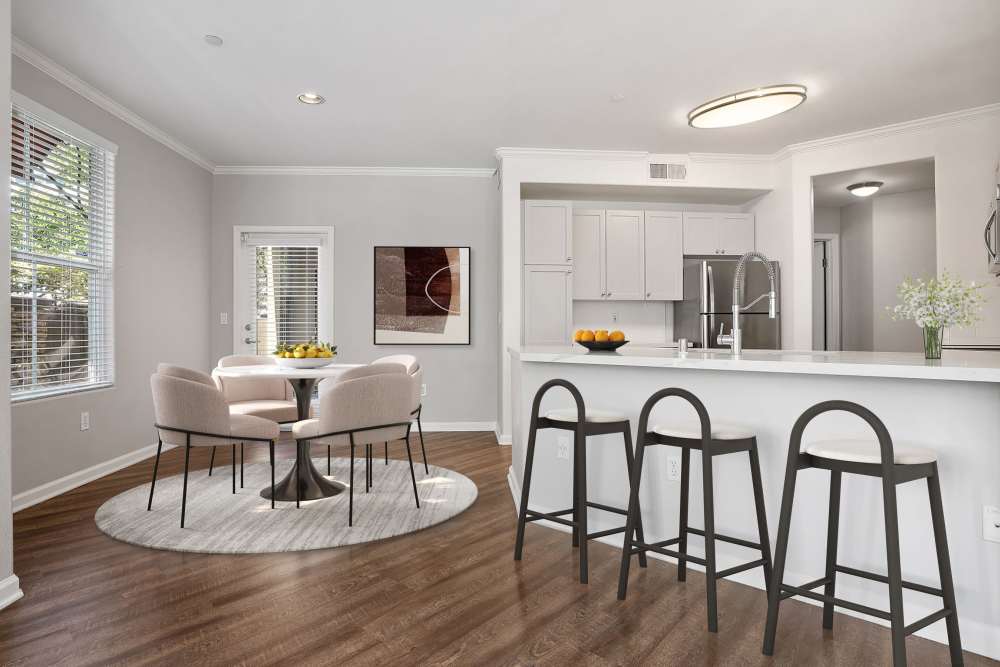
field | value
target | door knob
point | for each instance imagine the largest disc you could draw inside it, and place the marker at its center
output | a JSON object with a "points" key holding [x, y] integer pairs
{"points": [[249, 341], [246, 327]]}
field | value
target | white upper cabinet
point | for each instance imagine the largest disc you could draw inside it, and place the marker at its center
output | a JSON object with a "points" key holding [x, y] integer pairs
{"points": [[548, 232], [718, 233], [588, 254], [548, 304], [624, 254], [664, 256]]}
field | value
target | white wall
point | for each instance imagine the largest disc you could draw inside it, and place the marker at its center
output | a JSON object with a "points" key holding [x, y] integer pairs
{"points": [[366, 211], [857, 287], [162, 209], [826, 220]]}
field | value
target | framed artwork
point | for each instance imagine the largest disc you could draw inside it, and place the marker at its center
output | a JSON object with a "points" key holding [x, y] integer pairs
{"points": [[422, 295]]}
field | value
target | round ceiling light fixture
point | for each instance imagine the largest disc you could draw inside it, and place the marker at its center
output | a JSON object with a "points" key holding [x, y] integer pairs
{"points": [[748, 106], [311, 98], [213, 40], [865, 189]]}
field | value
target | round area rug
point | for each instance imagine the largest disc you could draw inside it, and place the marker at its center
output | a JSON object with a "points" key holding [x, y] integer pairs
{"points": [[222, 523]]}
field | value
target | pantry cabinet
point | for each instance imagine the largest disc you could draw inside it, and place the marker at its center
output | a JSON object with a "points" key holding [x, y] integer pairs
{"points": [[718, 233], [548, 232], [548, 304]]}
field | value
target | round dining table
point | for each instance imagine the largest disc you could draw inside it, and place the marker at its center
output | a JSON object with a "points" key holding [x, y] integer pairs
{"points": [[312, 484]]}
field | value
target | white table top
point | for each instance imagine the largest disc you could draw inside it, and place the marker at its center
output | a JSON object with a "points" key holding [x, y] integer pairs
{"points": [[276, 371]]}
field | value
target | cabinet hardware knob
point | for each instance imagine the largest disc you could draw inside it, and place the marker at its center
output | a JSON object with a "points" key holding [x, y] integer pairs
{"points": [[649, 294], [569, 259]]}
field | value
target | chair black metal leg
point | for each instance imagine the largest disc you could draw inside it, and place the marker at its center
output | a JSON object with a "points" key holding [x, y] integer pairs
{"points": [[897, 626], [241, 464], [413, 477], [272, 473], [368, 468], [711, 583], [522, 508], [832, 533], [350, 496], [944, 567], [156, 466], [576, 497], [581, 501], [234, 467], [184, 491], [780, 551], [423, 452], [629, 459], [298, 480], [758, 501], [211, 462], [387, 453], [328, 473], [682, 523], [632, 518]]}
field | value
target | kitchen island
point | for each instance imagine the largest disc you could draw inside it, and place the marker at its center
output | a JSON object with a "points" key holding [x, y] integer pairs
{"points": [[951, 406]]}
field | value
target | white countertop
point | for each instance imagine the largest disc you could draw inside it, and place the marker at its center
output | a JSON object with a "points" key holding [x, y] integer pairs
{"points": [[960, 365]]}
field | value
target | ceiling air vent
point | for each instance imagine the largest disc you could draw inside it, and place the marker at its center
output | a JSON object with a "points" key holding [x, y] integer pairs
{"points": [[672, 172]]}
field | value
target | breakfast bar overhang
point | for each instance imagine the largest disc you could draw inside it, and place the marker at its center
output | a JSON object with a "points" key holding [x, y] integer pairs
{"points": [[950, 405]]}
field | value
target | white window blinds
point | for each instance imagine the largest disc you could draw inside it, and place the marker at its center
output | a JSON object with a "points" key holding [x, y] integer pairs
{"points": [[61, 221], [286, 295]]}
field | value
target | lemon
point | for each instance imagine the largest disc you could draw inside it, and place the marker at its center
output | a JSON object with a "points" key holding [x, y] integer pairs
{"points": [[299, 354]]}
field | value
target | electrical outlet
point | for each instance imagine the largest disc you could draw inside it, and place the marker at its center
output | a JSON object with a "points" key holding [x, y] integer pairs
{"points": [[562, 447], [84, 421], [223, 318], [673, 467], [991, 523], [614, 317], [423, 390]]}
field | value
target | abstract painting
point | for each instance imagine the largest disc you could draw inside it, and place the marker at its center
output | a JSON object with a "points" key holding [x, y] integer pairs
{"points": [[422, 295]]}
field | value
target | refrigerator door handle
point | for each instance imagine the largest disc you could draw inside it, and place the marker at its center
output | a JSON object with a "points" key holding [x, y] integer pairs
{"points": [[711, 305]]}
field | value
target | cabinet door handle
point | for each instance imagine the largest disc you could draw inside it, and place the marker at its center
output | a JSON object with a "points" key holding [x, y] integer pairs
{"points": [[569, 259], [649, 294]]}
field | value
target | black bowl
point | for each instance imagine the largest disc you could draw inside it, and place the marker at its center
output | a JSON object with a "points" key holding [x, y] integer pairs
{"points": [[605, 346]]}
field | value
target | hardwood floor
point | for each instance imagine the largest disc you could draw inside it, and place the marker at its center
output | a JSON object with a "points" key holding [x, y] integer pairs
{"points": [[451, 594]]}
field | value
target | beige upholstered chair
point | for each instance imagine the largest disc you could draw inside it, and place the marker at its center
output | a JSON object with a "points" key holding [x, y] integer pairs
{"points": [[361, 411], [416, 374], [270, 398], [191, 412]]}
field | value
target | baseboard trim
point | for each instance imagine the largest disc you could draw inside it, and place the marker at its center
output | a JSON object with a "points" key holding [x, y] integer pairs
{"points": [[40, 494], [10, 591], [977, 637], [440, 427], [503, 438]]}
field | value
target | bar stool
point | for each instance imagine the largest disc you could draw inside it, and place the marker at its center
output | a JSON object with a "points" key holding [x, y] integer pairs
{"points": [[712, 441], [894, 465], [582, 423]]}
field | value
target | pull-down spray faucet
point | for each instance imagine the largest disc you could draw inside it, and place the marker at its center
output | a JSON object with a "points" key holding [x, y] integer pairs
{"points": [[735, 338]]}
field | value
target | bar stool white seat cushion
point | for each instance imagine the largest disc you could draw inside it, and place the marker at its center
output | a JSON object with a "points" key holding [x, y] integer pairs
{"points": [[593, 416], [867, 451], [693, 431]]}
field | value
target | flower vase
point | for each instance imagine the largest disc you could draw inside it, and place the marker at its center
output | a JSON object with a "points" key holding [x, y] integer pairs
{"points": [[932, 342]]}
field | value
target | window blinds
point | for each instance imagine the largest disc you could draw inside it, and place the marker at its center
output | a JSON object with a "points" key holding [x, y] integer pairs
{"points": [[61, 221], [286, 295]]}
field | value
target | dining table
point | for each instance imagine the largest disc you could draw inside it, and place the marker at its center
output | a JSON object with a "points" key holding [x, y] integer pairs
{"points": [[312, 484]]}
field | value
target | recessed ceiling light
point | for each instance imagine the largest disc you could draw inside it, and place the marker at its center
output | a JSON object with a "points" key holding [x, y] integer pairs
{"points": [[213, 40], [311, 98], [866, 189], [747, 106]]}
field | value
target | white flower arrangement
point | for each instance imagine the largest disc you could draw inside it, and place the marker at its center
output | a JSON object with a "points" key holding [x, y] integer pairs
{"points": [[938, 303]]}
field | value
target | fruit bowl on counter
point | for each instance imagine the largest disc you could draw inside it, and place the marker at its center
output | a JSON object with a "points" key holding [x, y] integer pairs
{"points": [[600, 340], [305, 355]]}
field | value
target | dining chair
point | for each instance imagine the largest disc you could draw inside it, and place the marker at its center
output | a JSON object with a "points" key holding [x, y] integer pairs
{"points": [[361, 411], [191, 412], [268, 398], [416, 374]]}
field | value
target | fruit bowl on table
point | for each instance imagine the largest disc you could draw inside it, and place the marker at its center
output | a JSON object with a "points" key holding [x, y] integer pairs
{"points": [[602, 346], [305, 362]]}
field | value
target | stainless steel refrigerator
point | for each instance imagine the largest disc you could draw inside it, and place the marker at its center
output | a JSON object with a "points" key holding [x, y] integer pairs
{"points": [[708, 304]]}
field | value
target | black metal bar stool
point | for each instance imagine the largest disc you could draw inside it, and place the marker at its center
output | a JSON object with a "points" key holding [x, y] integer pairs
{"points": [[583, 423], [894, 465], [712, 441]]}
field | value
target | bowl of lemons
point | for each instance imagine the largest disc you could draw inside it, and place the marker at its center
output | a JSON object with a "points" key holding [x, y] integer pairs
{"points": [[600, 340], [305, 355]]}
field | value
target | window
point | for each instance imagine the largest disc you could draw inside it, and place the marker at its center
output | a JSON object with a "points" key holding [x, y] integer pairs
{"points": [[61, 219]]}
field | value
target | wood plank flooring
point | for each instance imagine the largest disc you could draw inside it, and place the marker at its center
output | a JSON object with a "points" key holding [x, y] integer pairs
{"points": [[449, 595]]}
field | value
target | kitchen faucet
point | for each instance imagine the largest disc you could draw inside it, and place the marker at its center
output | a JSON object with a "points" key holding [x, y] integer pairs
{"points": [[735, 338]]}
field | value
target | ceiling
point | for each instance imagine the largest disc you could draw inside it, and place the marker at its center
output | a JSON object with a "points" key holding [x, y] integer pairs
{"points": [[444, 82], [831, 189]]}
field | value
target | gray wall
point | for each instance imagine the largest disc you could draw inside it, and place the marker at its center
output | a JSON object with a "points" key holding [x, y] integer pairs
{"points": [[6, 536], [857, 332], [161, 274], [826, 220], [366, 211]]}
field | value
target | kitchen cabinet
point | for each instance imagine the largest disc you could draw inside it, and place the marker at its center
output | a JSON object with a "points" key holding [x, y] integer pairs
{"points": [[548, 304], [588, 254], [548, 232], [718, 233], [664, 256], [624, 256]]}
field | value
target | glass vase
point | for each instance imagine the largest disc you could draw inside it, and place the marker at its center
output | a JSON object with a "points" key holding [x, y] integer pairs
{"points": [[932, 342]]}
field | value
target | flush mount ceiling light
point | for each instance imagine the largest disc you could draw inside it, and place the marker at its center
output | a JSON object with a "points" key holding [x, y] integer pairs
{"points": [[311, 98], [866, 189], [213, 40], [748, 106]]}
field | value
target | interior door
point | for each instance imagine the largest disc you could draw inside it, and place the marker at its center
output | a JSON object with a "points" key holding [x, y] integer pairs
{"points": [[819, 306], [664, 256], [588, 254], [282, 287], [624, 272]]}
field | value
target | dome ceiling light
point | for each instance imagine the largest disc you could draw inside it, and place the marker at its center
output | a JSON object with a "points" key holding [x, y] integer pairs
{"points": [[748, 106], [311, 98], [865, 189]]}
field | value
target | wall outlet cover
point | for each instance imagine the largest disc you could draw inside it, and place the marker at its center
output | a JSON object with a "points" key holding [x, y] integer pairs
{"points": [[84, 421], [423, 390], [562, 447], [223, 318], [673, 468], [991, 523]]}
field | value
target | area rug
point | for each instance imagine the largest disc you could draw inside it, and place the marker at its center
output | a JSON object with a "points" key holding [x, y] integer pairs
{"points": [[222, 523]]}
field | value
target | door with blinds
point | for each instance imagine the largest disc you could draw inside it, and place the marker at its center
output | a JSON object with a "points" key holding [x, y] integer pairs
{"points": [[283, 287]]}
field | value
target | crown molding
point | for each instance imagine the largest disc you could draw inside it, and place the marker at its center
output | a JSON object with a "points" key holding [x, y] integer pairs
{"points": [[264, 170], [571, 153], [40, 61], [750, 158]]}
